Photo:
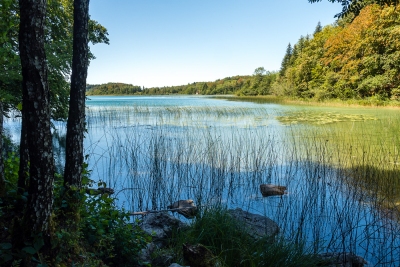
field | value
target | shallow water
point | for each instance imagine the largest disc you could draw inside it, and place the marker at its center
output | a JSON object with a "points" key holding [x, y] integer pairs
{"points": [[340, 164]]}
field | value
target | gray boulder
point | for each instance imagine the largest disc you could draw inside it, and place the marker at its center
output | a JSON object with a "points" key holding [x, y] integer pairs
{"points": [[161, 226], [256, 225]]}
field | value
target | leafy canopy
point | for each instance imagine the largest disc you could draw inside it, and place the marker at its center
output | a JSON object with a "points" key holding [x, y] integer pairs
{"points": [[58, 46], [354, 6]]}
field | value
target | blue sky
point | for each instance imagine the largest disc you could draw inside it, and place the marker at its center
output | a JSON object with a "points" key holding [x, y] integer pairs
{"points": [[174, 42]]}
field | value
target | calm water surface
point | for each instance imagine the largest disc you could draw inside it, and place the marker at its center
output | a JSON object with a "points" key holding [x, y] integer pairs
{"points": [[341, 165]]}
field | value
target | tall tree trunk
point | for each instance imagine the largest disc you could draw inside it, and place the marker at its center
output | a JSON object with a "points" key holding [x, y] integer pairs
{"points": [[76, 116], [36, 113], [2, 176]]}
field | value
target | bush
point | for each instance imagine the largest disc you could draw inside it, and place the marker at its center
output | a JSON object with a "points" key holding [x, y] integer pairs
{"points": [[108, 233], [104, 234]]}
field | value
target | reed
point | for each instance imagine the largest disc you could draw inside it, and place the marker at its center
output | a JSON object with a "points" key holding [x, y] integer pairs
{"points": [[342, 178]]}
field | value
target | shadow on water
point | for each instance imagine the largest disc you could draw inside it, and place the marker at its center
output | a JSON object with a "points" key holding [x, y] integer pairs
{"points": [[378, 186], [324, 206], [340, 166]]}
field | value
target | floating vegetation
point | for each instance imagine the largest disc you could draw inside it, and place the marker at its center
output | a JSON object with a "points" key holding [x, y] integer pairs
{"points": [[342, 178], [321, 118]]}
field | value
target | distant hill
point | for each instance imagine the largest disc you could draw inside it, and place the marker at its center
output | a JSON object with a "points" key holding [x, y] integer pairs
{"points": [[258, 84], [113, 89]]}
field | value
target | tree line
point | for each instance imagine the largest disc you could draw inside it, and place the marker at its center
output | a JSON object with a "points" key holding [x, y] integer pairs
{"points": [[258, 84], [113, 89], [357, 57]]}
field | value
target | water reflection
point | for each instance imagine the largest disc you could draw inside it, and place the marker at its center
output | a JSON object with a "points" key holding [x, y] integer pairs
{"points": [[342, 176]]}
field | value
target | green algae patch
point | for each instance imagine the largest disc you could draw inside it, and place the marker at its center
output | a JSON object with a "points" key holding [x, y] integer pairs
{"points": [[321, 118]]}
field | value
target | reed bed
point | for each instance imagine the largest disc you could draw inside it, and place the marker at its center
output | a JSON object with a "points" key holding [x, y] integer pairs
{"points": [[343, 180]]}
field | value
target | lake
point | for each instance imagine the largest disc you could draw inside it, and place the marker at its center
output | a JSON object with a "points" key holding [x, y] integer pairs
{"points": [[341, 164]]}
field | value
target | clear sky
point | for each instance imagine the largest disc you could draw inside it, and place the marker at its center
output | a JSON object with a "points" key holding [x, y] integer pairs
{"points": [[175, 42]]}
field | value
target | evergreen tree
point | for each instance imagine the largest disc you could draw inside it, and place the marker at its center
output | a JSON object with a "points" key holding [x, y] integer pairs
{"points": [[286, 60], [300, 44], [318, 28]]}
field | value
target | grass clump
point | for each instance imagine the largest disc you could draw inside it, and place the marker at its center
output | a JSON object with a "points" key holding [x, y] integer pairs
{"points": [[231, 245]]}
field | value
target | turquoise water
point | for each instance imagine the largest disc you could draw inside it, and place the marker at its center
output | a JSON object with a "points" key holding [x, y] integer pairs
{"points": [[156, 150]]}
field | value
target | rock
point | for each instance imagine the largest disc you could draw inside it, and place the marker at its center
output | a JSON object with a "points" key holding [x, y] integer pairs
{"points": [[186, 208], [268, 190], [344, 259], [256, 225], [145, 254], [198, 256], [160, 226]]}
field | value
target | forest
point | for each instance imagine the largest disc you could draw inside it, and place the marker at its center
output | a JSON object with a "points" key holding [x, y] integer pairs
{"points": [[357, 57], [354, 58], [48, 218], [258, 84]]}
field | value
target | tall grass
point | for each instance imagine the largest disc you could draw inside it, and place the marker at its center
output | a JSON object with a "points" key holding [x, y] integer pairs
{"points": [[231, 246], [343, 180]]}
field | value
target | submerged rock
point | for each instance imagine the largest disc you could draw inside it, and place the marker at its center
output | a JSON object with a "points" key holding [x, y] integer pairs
{"points": [[256, 225]]}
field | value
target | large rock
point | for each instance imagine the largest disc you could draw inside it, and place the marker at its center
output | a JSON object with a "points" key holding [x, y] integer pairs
{"points": [[256, 225], [161, 226]]}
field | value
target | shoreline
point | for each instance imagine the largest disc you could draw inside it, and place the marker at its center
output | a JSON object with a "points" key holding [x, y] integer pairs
{"points": [[365, 103]]}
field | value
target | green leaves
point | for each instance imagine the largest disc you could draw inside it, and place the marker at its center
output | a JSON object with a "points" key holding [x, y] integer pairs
{"points": [[353, 7], [108, 232], [357, 59], [58, 46], [29, 250], [5, 252]]}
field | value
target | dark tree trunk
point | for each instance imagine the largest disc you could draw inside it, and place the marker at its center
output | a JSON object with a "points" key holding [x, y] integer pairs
{"points": [[2, 176], [36, 113], [76, 116]]}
